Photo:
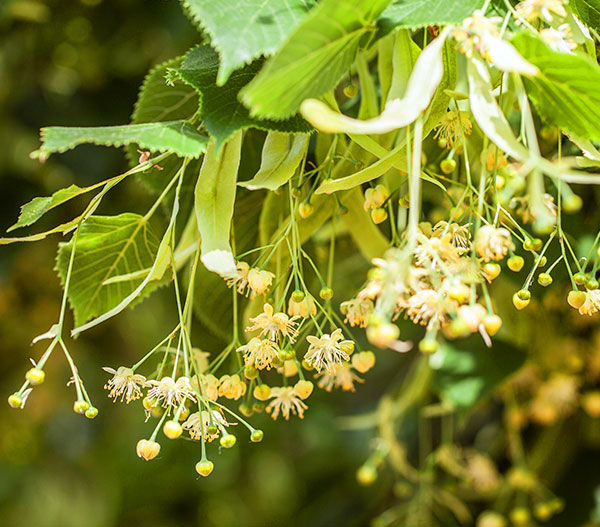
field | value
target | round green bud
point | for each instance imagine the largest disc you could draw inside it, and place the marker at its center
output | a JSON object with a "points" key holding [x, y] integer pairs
{"points": [[245, 409], [287, 354], [80, 407], [204, 468], [351, 91], [544, 279], [572, 204], [228, 440], [579, 278], [520, 516], [528, 244], [256, 436], [515, 263], [543, 511], [492, 270], [524, 294], [537, 244], [591, 283], [212, 430], [305, 210], [428, 346], [366, 475], [442, 143], [543, 261], [326, 293], [298, 295], [15, 401], [35, 376], [91, 412], [250, 372], [448, 166]]}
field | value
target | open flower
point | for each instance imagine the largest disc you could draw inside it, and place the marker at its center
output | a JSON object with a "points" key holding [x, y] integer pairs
{"points": [[197, 424], [125, 384], [357, 311], [591, 304], [259, 353], [492, 243], [450, 127], [231, 386], [285, 401], [208, 386], [169, 392], [530, 10], [328, 350], [342, 377], [270, 323]]}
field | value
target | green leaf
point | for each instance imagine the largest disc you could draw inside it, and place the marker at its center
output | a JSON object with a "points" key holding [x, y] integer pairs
{"points": [[467, 371], [177, 136], [314, 58], [214, 199], [413, 14], [588, 11], [243, 31], [565, 93], [222, 113], [107, 246], [281, 155], [37, 207]]}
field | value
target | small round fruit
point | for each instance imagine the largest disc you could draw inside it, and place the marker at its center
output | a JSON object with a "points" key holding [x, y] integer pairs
{"points": [[448, 166], [576, 299], [591, 283], [379, 215], [257, 436], [515, 263], [544, 279], [351, 90], [35, 376], [492, 324], [228, 440], [204, 468], [491, 270], [91, 412], [520, 303], [326, 293], [579, 278], [298, 295], [80, 407], [15, 401], [172, 429]]}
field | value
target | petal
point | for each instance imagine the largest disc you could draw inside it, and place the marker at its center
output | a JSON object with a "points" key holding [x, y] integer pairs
{"points": [[505, 57], [424, 80]]}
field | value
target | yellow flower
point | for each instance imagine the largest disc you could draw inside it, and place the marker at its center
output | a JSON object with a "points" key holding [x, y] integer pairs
{"points": [[424, 306], [208, 387], [328, 350], [376, 197], [125, 384], [231, 387], [241, 280], [285, 401], [302, 308], [170, 392], [459, 234], [357, 311], [492, 243], [363, 361], [259, 281], [533, 9], [592, 303], [450, 126], [271, 324], [342, 377], [198, 423], [259, 353]]}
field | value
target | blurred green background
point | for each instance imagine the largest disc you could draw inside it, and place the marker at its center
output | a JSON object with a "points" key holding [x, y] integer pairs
{"points": [[81, 62]]}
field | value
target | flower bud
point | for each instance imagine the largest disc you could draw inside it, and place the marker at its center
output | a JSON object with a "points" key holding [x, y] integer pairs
{"points": [[172, 429], [204, 468], [147, 449], [91, 412], [15, 401], [35, 376], [366, 475], [491, 270], [448, 166], [492, 324], [262, 392], [326, 293], [515, 263], [382, 335], [256, 436], [363, 361], [305, 210], [303, 389], [544, 279], [520, 303], [80, 407], [379, 215], [228, 440]]}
